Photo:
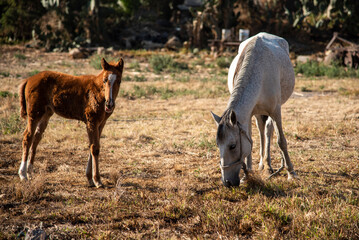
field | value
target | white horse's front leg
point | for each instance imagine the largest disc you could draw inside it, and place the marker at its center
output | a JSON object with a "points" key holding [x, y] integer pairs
{"points": [[249, 157]]}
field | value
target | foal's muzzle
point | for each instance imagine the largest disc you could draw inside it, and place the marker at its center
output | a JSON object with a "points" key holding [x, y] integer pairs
{"points": [[109, 106]]}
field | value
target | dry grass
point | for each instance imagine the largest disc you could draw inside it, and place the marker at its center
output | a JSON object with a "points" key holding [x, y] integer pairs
{"points": [[159, 162]]}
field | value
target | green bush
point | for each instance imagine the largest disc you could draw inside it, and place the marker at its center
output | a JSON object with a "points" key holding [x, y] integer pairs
{"points": [[5, 74], [161, 63], [140, 78], [11, 124], [316, 69], [223, 62], [34, 72], [95, 60], [4, 94]]}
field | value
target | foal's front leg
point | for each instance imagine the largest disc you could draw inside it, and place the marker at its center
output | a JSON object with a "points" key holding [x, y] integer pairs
{"points": [[89, 162], [89, 171], [93, 134]]}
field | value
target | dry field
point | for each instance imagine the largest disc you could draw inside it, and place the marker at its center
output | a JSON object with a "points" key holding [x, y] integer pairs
{"points": [[160, 164]]}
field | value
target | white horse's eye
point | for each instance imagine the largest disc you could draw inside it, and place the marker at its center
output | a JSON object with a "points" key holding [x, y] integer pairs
{"points": [[233, 146]]}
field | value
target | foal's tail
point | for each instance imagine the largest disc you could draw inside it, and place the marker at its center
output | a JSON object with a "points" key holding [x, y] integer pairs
{"points": [[23, 111]]}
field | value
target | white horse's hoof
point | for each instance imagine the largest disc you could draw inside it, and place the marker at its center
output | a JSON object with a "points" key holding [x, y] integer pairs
{"points": [[243, 180], [292, 175]]}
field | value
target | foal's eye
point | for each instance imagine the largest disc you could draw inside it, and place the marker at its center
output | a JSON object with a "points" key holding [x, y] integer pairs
{"points": [[104, 80], [233, 146]]}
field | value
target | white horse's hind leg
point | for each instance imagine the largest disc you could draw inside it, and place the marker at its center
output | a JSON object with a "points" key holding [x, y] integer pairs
{"points": [[265, 127], [282, 142], [268, 135], [249, 157], [260, 126]]}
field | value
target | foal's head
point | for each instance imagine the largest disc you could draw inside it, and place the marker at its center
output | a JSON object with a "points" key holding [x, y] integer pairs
{"points": [[112, 75], [234, 145]]}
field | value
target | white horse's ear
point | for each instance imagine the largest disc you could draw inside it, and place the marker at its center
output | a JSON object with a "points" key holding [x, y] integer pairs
{"points": [[233, 118], [216, 118]]}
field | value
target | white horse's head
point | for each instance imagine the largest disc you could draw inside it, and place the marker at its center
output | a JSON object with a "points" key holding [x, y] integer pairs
{"points": [[234, 146]]}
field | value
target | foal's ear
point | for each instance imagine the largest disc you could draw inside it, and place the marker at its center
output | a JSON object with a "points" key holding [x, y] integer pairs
{"points": [[119, 65], [216, 118], [233, 118], [104, 64]]}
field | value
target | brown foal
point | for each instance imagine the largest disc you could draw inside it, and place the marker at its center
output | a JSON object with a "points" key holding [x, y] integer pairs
{"points": [[90, 99]]}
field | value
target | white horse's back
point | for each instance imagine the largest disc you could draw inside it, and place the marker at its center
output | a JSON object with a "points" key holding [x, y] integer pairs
{"points": [[277, 47]]}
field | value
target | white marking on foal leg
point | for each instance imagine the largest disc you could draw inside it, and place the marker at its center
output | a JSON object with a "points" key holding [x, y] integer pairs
{"points": [[23, 170], [30, 169]]}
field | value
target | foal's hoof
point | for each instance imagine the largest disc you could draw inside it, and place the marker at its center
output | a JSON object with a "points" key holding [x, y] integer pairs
{"points": [[91, 184], [260, 167], [99, 185], [23, 177]]}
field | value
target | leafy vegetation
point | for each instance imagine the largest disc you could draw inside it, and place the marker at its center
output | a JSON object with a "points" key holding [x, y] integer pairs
{"points": [[20, 56], [33, 72], [161, 63], [95, 60], [11, 124], [223, 62], [316, 69], [163, 92], [4, 94], [136, 78], [5, 74]]}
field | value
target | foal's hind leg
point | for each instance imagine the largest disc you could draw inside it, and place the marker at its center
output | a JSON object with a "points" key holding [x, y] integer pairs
{"points": [[26, 143], [37, 138], [282, 142]]}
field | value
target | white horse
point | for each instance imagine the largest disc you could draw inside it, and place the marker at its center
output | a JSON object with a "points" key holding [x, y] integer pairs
{"points": [[260, 80]]}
